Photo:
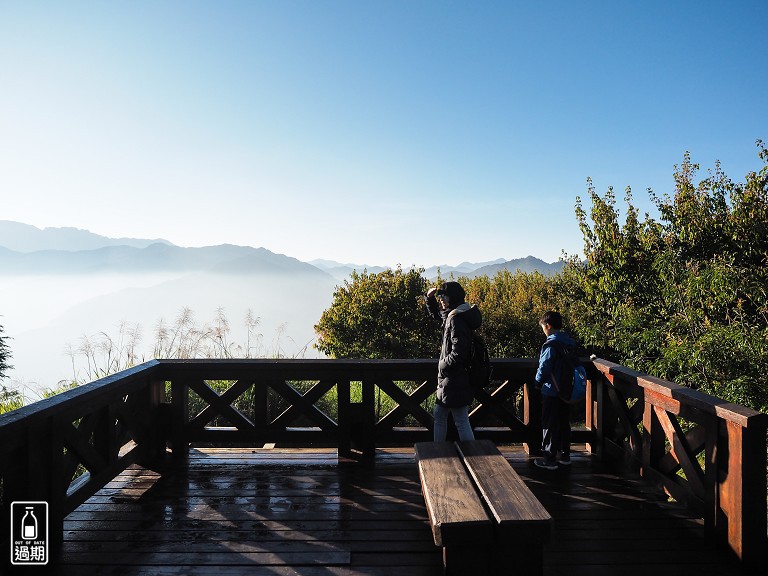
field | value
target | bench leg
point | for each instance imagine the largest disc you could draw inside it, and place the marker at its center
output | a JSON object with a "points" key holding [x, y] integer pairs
{"points": [[464, 560], [507, 560]]}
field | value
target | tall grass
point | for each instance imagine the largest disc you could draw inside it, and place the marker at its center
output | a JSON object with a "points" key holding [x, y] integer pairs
{"points": [[103, 354]]}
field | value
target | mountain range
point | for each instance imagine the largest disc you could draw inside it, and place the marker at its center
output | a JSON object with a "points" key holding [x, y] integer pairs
{"points": [[26, 238], [26, 249]]}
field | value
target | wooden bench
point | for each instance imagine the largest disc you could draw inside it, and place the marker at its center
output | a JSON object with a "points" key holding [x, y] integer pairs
{"points": [[483, 515]]}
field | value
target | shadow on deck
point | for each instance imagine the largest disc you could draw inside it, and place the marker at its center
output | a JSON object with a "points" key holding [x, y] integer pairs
{"points": [[282, 511]]}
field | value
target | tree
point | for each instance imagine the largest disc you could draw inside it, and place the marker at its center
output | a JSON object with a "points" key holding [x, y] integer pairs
{"points": [[511, 305], [610, 296], [383, 315], [684, 298], [5, 354], [379, 316]]}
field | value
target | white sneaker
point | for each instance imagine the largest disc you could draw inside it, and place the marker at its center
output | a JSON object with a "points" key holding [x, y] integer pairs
{"points": [[546, 464]]}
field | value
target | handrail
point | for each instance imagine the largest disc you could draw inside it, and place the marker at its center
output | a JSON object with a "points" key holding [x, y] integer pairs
{"points": [[704, 451], [700, 449], [115, 384], [741, 415]]}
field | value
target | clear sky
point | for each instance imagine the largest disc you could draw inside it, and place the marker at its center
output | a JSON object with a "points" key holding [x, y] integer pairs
{"points": [[371, 132]]}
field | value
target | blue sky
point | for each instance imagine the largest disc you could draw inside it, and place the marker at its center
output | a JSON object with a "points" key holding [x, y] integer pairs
{"points": [[367, 132]]}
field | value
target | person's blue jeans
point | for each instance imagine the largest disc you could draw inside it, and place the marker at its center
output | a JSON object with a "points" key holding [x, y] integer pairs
{"points": [[460, 418]]}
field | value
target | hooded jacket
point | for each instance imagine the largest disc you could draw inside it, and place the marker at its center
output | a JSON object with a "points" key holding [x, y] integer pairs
{"points": [[453, 385], [547, 362]]}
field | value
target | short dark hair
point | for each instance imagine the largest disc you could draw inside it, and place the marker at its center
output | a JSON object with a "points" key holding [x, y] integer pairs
{"points": [[454, 291], [553, 319]]}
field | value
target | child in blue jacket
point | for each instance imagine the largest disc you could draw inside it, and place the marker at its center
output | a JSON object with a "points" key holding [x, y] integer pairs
{"points": [[555, 413]]}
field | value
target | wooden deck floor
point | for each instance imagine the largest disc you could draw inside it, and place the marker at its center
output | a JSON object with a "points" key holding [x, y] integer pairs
{"points": [[278, 512]]}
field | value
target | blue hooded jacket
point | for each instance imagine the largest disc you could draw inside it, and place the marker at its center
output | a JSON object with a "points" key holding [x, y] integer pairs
{"points": [[547, 363]]}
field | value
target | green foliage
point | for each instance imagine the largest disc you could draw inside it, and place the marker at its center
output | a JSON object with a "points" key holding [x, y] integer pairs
{"points": [[511, 305], [609, 297], [379, 316], [683, 298], [383, 315], [10, 400]]}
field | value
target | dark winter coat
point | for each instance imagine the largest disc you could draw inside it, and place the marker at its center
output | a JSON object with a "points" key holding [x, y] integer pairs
{"points": [[453, 385]]}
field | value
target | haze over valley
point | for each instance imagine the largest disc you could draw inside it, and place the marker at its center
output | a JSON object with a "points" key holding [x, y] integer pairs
{"points": [[61, 285]]}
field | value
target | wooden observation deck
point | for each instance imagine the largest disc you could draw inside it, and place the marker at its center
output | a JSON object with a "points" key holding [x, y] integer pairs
{"points": [[306, 467]]}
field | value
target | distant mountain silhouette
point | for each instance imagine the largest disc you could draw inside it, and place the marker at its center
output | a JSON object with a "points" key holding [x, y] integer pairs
{"points": [[25, 249], [342, 271], [26, 238], [463, 269], [528, 264], [154, 258]]}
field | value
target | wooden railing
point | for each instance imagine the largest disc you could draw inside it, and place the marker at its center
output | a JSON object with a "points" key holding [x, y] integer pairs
{"points": [[61, 450], [285, 404], [700, 449]]}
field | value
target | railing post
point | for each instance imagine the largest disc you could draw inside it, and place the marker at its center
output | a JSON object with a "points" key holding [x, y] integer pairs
{"points": [[36, 476], [260, 410], [590, 412], [601, 397], [741, 513], [343, 409], [105, 435], [653, 448], [179, 419], [607, 419], [356, 424], [156, 422], [532, 420]]}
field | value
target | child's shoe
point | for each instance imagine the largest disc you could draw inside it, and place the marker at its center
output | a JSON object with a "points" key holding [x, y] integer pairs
{"points": [[545, 463]]}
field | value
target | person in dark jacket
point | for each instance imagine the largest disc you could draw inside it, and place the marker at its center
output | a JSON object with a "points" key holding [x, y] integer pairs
{"points": [[555, 413], [454, 391]]}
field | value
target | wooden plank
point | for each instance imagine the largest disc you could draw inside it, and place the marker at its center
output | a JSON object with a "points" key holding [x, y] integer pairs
{"points": [[741, 513], [455, 510], [511, 502], [682, 451], [523, 525], [308, 558], [232, 570], [303, 404]]}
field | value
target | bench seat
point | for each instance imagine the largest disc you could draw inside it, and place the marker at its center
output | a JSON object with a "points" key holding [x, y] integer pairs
{"points": [[482, 514]]}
